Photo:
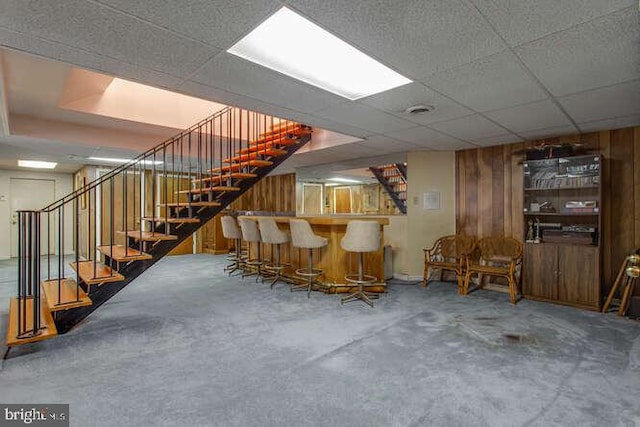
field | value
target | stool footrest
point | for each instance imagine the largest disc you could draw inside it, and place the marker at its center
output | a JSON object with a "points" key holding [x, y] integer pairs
{"points": [[355, 279], [309, 272]]}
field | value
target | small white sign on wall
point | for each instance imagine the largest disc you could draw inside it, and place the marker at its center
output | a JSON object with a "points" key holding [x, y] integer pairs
{"points": [[431, 200]]}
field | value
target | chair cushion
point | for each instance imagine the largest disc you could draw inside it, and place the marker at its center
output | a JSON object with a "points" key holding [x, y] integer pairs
{"points": [[361, 236]]}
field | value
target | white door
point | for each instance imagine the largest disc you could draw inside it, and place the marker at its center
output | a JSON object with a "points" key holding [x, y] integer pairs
{"points": [[30, 194]]}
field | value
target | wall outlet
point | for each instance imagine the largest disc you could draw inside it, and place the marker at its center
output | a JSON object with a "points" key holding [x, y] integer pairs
{"points": [[3, 197]]}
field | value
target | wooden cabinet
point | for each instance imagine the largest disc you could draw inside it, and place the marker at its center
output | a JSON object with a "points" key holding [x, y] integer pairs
{"points": [[563, 223], [563, 273]]}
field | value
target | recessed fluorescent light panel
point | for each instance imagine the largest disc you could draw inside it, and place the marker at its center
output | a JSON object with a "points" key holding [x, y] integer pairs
{"points": [[37, 164], [123, 161], [346, 180], [293, 45]]}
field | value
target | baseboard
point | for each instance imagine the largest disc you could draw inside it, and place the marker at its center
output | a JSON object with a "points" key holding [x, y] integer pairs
{"points": [[406, 277], [4, 258]]}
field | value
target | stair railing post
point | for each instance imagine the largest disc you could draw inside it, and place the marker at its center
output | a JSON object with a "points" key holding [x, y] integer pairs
{"points": [[28, 273]]}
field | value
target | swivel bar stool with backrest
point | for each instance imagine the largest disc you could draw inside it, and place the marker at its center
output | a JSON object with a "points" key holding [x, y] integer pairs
{"points": [[251, 234], [231, 231], [303, 237], [272, 235], [361, 237]]}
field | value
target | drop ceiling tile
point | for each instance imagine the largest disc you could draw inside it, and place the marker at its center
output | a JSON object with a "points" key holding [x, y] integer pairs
{"points": [[246, 78], [598, 53], [216, 22], [617, 123], [550, 132], [423, 137], [536, 115], [519, 21], [396, 101], [103, 31], [605, 103], [415, 37], [491, 83], [470, 128], [365, 117], [449, 146], [70, 55], [215, 94], [489, 141]]}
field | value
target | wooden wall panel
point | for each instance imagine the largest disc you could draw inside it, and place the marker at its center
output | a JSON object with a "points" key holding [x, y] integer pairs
{"points": [[622, 234], [499, 204], [604, 144], [636, 185], [489, 192], [272, 193]]}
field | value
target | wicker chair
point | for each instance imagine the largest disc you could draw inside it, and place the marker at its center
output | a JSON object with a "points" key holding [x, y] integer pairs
{"points": [[448, 253], [499, 256]]}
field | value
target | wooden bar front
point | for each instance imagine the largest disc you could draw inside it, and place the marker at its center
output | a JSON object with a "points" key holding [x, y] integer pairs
{"points": [[335, 261]]}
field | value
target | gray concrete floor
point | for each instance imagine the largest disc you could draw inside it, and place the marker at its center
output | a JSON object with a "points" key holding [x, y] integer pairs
{"points": [[184, 345]]}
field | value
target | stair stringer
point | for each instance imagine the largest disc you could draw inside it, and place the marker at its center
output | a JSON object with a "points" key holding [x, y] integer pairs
{"points": [[66, 320], [400, 204]]}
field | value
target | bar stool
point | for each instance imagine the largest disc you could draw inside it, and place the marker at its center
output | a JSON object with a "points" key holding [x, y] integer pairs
{"points": [[303, 237], [272, 235], [251, 234], [361, 237], [231, 231]]}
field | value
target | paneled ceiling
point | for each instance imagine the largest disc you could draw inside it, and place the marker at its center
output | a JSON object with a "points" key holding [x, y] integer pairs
{"points": [[495, 71]]}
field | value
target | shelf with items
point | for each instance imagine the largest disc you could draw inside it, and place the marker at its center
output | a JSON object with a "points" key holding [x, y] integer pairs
{"points": [[562, 217]]}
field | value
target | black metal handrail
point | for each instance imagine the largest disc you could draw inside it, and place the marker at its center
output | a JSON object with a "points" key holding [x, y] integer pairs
{"points": [[132, 162], [199, 167]]}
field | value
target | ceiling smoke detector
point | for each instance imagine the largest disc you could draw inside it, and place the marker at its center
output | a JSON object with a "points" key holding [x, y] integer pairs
{"points": [[419, 109]]}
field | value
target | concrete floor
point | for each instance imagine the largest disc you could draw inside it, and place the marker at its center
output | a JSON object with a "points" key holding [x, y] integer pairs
{"points": [[184, 345]]}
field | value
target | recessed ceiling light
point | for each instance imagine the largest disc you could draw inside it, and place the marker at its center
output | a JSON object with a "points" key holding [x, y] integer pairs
{"points": [[292, 45], [37, 164], [122, 161]]}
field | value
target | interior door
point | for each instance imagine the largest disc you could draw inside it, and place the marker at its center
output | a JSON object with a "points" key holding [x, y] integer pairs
{"points": [[342, 200], [31, 194]]}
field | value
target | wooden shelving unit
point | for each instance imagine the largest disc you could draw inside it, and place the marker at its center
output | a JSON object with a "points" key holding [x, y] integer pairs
{"points": [[562, 220]]}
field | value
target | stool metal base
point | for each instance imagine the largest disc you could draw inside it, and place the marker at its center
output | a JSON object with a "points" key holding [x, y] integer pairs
{"points": [[237, 263], [253, 268], [310, 274], [276, 270], [360, 294]]}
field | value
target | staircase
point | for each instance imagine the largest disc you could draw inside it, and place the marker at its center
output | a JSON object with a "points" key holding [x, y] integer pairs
{"points": [[128, 219], [393, 178]]}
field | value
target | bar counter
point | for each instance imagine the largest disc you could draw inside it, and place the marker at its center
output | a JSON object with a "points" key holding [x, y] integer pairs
{"points": [[335, 261]]}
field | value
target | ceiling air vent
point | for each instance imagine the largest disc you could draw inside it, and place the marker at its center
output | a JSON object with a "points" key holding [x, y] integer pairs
{"points": [[419, 109]]}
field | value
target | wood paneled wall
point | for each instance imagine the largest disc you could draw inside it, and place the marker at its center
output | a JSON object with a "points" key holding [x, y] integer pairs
{"points": [[272, 193], [489, 195]]}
